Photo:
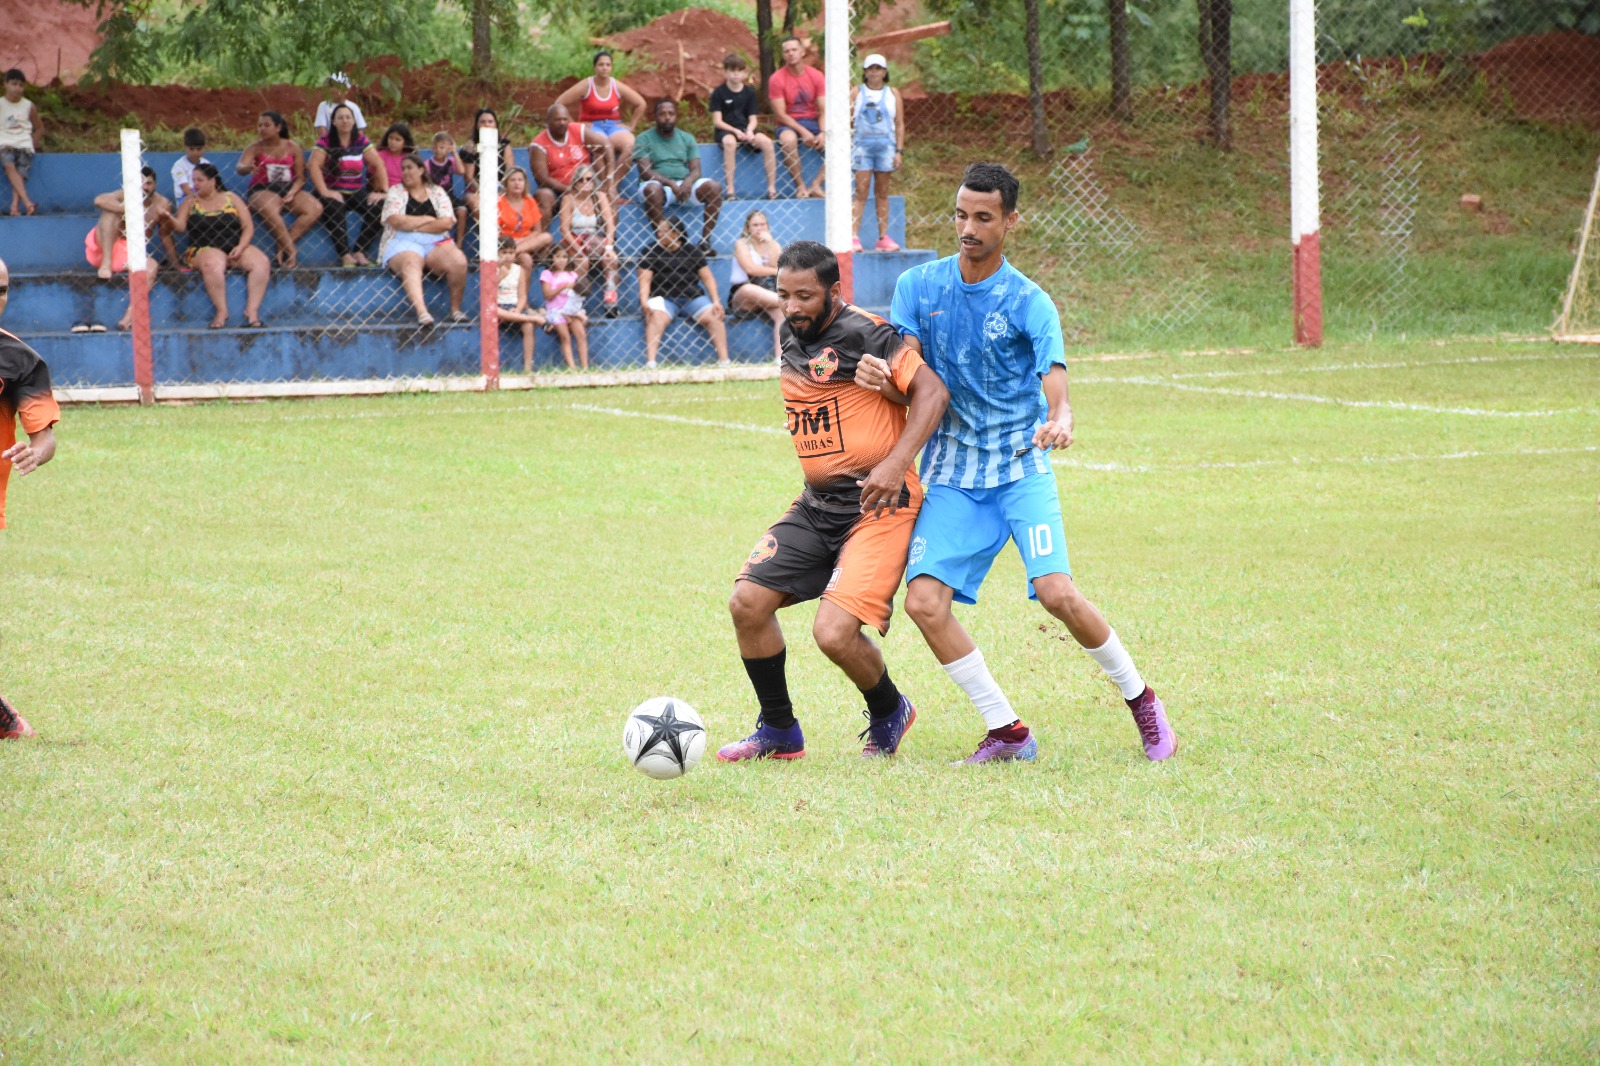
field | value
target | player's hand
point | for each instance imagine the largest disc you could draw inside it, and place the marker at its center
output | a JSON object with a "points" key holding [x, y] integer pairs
{"points": [[23, 457], [872, 372], [1054, 434], [881, 489]]}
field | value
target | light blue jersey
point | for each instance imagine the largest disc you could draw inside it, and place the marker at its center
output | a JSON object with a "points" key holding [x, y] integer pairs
{"points": [[990, 344]]}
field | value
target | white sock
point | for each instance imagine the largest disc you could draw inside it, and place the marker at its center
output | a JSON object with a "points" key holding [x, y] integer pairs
{"points": [[975, 680], [1118, 665]]}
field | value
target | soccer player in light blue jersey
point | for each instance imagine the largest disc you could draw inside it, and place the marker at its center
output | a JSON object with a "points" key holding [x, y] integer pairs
{"points": [[994, 338]]}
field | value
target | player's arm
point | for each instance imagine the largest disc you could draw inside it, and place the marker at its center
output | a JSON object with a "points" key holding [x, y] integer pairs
{"points": [[39, 450], [873, 372], [881, 489], [1056, 432]]}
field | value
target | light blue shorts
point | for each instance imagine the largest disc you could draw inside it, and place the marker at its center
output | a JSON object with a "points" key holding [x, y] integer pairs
{"points": [[607, 126], [693, 309], [412, 241], [960, 531], [876, 156]]}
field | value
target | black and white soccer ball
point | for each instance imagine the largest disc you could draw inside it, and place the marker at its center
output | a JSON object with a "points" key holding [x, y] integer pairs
{"points": [[664, 738]]}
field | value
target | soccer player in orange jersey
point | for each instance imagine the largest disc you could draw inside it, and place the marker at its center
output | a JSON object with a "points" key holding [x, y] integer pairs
{"points": [[845, 538], [25, 394]]}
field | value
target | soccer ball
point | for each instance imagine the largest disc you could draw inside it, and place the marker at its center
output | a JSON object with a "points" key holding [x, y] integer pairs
{"points": [[664, 738]]}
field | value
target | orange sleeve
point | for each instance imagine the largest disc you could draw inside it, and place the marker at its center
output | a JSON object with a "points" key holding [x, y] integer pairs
{"points": [[905, 367], [38, 412]]}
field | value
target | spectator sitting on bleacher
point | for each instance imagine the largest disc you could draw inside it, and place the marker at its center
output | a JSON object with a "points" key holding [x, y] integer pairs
{"points": [[733, 123], [219, 228], [753, 281], [443, 166], [417, 219], [194, 151], [589, 230], [349, 178], [672, 274], [338, 85], [563, 307], [21, 130], [512, 300], [394, 146], [277, 170], [560, 149], [600, 100], [521, 219], [485, 119], [669, 171], [110, 232], [797, 94]]}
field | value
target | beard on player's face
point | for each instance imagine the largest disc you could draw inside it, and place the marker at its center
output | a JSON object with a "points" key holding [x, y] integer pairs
{"points": [[809, 327]]}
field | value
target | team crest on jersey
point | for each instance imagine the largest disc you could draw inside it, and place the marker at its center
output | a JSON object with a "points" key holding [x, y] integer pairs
{"points": [[824, 364], [765, 549], [995, 325]]}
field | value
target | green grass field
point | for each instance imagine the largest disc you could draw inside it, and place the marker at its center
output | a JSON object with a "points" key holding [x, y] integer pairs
{"points": [[330, 697]]}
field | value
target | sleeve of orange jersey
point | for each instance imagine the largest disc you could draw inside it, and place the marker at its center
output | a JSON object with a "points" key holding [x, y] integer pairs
{"points": [[36, 404], [904, 367]]}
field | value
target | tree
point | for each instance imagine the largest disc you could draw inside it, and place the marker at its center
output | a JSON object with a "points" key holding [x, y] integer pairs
{"points": [[1216, 52], [1121, 69], [1041, 133], [482, 39], [764, 44]]}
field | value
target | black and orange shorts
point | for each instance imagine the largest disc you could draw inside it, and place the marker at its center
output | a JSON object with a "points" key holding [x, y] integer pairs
{"points": [[853, 560]]}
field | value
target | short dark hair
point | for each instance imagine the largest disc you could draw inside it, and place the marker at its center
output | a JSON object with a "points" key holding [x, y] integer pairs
{"points": [[147, 171], [656, 107], [14, 74], [676, 225], [194, 137], [809, 255], [793, 38], [734, 61], [508, 244], [993, 177]]}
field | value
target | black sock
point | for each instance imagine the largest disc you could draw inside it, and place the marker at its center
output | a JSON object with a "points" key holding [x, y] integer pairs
{"points": [[772, 690], [883, 699]]}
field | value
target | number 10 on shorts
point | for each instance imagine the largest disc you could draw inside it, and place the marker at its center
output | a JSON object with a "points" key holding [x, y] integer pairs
{"points": [[1039, 542]]}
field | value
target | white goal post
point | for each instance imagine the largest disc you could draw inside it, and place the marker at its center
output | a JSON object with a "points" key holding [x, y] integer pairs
{"points": [[1580, 310]]}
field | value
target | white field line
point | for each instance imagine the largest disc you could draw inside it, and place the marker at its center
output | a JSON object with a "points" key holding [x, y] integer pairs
{"points": [[1334, 401], [622, 412], [1335, 367]]}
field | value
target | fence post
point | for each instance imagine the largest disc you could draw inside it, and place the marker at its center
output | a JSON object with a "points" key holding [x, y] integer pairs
{"points": [[489, 256], [138, 280], [838, 224], [1304, 209]]}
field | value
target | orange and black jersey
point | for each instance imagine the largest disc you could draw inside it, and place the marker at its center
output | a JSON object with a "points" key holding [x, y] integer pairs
{"points": [[842, 431], [24, 393]]}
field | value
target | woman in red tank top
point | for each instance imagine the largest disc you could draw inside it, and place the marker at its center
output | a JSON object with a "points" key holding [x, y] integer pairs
{"points": [[599, 102], [277, 170]]}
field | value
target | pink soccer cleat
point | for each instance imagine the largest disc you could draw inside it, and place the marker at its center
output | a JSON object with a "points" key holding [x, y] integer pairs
{"points": [[1150, 715]]}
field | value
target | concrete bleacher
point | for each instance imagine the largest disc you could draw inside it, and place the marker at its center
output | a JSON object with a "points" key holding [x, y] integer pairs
{"points": [[326, 322]]}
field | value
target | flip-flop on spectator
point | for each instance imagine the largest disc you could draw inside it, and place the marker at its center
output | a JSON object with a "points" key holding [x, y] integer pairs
{"points": [[277, 170], [219, 227], [21, 132], [878, 119]]}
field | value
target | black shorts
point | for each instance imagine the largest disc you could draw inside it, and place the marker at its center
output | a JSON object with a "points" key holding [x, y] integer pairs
{"points": [[277, 188], [850, 559], [768, 283], [749, 146]]}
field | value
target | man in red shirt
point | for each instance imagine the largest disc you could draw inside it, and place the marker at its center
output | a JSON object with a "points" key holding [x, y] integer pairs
{"points": [[797, 95], [562, 147]]}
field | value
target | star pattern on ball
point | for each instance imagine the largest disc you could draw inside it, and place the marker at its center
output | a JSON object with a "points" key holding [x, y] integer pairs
{"points": [[666, 728]]}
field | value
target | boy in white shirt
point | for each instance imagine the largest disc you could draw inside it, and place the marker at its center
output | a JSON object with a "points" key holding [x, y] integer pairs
{"points": [[194, 153]]}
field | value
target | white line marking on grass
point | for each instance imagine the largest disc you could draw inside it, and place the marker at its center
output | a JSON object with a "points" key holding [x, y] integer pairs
{"points": [[1332, 367], [1334, 401], [1338, 460], [681, 420]]}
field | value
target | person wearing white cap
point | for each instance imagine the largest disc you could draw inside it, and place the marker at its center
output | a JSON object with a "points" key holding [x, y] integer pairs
{"points": [[878, 118]]}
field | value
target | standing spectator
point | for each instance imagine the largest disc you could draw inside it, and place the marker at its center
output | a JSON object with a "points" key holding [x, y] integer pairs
{"points": [[337, 91], [106, 246], [417, 218], [349, 178], [753, 281], [194, 151], [560, 149], [395, 145], [600, 99], [21, 131], [521, 220], [277, 170], [589, 229], [669, 171], [798, 95], [443, 166], [672, 275], [512, 300], [733, 118], [878, 117], [219, 228], [563, 307], [485, 119]]}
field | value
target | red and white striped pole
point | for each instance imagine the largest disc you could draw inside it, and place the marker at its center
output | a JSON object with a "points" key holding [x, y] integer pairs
{"points": [[838, 225], [144, 373], [489, 256], [1304, 208]]}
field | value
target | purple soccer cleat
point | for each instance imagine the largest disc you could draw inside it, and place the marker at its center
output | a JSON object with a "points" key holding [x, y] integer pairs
{"points": [[884, 737], [1150, 715], [993, 749], [766, 743]]}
